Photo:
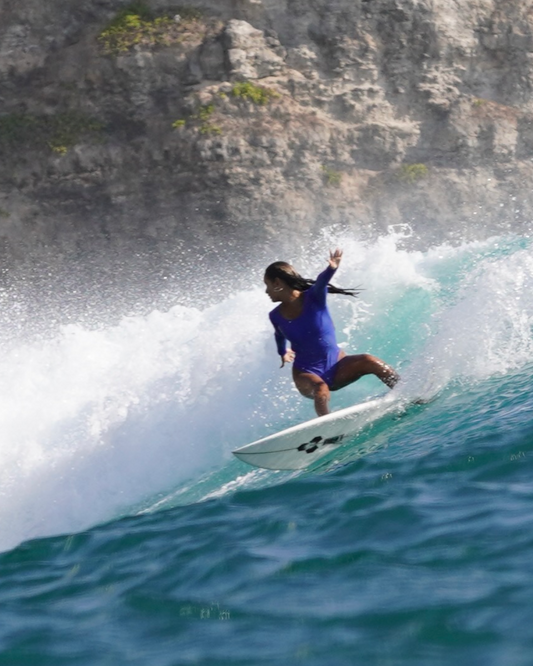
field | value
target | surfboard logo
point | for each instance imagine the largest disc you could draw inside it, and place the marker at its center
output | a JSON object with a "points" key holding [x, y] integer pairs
{"points": [[319, 442]]}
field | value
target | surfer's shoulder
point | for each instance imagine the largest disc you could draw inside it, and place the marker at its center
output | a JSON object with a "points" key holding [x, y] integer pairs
{"points": [[274, 313]]}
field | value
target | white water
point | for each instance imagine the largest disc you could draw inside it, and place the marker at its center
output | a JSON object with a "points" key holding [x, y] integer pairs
{"points": [[95, 422]]}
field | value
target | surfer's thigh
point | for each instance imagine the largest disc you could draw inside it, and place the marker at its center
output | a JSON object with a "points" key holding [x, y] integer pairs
{"points": [[308, 383], [351, 368]]}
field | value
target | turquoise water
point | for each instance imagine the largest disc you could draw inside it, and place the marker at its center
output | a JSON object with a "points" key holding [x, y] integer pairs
{"points": [[130, 535]]}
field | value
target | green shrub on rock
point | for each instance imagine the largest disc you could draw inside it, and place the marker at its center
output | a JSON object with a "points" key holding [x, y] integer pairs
{"points": [[136, 24], [202, 115], [332, 178], [412, 173], [253, 93]]}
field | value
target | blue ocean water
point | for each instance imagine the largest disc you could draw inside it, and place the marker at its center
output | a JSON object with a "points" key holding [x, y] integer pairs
{"points": [[130, 535]]}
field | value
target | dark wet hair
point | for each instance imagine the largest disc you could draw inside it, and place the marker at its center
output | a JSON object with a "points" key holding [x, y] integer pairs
{"points": [[286, 273]]}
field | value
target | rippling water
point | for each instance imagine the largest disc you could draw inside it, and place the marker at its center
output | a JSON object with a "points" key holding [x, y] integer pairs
{"points": [[131, 536]]}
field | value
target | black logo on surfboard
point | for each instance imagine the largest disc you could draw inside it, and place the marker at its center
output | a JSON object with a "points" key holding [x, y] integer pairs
{"points": [[319, 442]]}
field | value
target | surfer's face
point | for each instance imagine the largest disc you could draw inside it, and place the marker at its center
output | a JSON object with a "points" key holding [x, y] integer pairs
{"points": [[274, 289]]}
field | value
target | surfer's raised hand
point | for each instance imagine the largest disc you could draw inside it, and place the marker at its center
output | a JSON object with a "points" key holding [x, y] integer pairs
{"points": [[335, 258], [288, 357]]}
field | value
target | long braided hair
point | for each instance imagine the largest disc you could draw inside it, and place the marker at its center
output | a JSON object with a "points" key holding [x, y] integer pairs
{"points": [[286, 273]]}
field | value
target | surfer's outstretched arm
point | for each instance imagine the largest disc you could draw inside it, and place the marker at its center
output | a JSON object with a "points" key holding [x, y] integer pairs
{"points": [[319, 290], [335, 258]]}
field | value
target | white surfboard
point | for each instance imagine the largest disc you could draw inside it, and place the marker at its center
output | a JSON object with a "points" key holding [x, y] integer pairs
{"points": [[300, 445]]}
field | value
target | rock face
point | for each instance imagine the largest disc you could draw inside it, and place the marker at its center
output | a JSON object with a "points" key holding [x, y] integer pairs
{"points": [[258, 122]]}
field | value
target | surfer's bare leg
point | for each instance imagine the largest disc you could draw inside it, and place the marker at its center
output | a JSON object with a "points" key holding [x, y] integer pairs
{"points": [[351, 368], [311, 386]]}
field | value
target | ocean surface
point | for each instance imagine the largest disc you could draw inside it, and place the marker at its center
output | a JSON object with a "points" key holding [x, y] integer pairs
{"points": [[129, 534]]}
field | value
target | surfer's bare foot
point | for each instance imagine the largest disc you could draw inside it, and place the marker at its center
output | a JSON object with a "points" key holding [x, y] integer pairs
{"points": [[389, 377]]}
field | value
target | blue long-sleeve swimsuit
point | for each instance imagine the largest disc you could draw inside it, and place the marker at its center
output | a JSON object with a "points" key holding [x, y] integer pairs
{"points": [[312, 333]]}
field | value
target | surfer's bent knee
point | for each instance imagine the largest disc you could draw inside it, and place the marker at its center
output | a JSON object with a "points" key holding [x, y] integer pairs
{"points": [[310, 386], [313, 390]]}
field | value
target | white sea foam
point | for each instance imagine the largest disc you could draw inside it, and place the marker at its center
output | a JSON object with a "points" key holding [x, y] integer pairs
{"points": [[94, 422]]}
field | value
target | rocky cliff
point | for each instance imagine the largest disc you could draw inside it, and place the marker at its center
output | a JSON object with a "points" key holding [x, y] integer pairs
{"points": [[134, 136]]}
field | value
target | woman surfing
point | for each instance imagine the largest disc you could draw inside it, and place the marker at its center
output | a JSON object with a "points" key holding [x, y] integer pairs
{"points": [[302, 318]]}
